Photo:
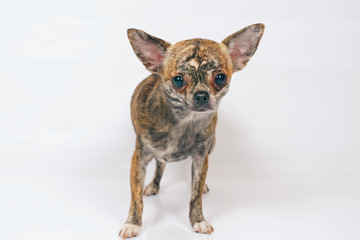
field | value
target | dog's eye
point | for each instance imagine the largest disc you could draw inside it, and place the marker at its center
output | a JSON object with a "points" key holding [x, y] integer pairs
{"points": [[220, 79], [178, 82]]}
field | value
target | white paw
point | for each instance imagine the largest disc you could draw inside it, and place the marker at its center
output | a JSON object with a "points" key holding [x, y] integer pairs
{"points": [[151, 189], [129, 230], [203, 227], [206, 188]]}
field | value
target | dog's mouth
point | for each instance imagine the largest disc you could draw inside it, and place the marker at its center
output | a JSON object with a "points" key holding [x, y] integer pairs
{"points": [[202, 108]]}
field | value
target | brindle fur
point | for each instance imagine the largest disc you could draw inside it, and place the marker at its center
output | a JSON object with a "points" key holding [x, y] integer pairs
{"points": [[168, 125]]}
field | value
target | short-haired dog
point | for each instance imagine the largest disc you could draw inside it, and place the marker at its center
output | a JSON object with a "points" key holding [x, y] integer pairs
{"points": [[174, 110]]}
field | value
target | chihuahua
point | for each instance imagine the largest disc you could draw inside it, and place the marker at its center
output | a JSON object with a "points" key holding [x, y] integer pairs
{"points": [[174, 111]]}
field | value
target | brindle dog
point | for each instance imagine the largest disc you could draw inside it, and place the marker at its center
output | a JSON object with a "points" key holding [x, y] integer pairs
{"points": [[174, 110]]}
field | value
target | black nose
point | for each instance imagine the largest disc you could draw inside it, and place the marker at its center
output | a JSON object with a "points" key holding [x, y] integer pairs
{"points": [[201, 97]]}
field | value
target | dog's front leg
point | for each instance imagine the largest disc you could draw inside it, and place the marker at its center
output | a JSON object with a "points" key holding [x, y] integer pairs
{"points": [[198, 170], [137, 175]]}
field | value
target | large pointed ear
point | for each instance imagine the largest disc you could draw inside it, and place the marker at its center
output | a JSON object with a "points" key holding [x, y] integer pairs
{"points": [[243, 44], [149, 49]]}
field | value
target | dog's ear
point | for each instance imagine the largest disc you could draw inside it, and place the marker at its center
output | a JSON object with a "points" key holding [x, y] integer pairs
{"points": [[149, 49], [243, 44]]}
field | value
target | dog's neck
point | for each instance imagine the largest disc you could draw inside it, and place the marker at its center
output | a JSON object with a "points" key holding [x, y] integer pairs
{"points": [[193, 117]]}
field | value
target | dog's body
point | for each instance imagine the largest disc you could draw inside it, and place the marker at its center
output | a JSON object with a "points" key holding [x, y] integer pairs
{"points": [[164, 135], [174, 111]]}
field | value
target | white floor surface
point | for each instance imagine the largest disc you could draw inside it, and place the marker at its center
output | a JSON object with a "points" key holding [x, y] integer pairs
{"points": [[238, 207]]}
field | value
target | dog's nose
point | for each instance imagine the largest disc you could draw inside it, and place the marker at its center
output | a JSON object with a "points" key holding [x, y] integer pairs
{"points": [[201, 97]]}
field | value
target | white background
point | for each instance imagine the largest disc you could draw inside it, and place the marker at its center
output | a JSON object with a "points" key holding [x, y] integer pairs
{"points": [[287, 160]]}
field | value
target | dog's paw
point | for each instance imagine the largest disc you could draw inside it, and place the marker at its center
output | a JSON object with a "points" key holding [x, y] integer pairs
{"points": [[151, 189], [203, 227], [129, 230], [206, 189]]}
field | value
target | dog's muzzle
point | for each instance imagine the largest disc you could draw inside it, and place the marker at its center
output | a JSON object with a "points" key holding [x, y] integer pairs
{"points": [[201, 101]]}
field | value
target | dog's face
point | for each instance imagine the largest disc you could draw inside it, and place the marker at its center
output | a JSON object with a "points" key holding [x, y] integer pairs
{"points": [[196, 73]]}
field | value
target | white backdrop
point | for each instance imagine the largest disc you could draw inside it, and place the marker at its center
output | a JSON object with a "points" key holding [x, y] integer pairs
{"points": [[287, 160]]}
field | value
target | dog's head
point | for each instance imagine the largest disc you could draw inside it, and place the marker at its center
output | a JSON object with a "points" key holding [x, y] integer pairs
{"points": [[196, 73]]}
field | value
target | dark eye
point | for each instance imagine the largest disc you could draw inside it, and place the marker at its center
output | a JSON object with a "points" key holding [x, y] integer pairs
{"points": [[178, 82], [220, 79]]}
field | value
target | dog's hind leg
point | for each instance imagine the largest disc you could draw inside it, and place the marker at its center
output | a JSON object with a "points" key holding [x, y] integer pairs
{"points": [[153, 187]]}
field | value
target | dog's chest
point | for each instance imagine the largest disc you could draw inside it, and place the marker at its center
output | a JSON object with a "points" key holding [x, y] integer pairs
{"points": [[180, 141]]}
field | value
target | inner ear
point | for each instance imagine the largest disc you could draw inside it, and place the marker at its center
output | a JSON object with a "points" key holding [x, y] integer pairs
{"points": [[243, 44], [149, 49]]}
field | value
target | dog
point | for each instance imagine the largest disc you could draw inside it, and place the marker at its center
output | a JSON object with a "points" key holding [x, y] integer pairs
{"points": [[174, 110]]}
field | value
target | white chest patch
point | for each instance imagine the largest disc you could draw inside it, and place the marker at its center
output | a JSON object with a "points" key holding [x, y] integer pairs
{"points": [[183, 139]]}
